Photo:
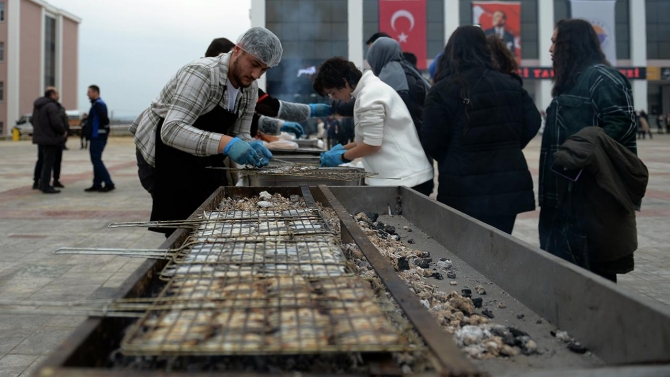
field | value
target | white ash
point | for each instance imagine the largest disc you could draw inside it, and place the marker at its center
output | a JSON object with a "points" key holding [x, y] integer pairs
{"points": [[264, 195], [455, 313], [562, 336]]}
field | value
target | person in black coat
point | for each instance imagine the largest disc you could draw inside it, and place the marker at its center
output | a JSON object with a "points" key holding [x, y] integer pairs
{"points": [[477, 120], [49, 134]]}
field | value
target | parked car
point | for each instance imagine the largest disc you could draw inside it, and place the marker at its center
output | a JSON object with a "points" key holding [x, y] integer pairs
{"points": [[24, 125]]}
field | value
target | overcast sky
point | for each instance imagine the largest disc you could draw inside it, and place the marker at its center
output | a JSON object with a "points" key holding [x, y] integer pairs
{"points": [[130, 48]]}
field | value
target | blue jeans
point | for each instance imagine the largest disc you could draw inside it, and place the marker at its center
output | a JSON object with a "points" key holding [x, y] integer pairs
{"points": [[100, 173]]}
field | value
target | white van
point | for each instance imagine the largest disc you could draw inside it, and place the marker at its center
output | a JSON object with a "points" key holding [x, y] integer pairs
{"points": [[24, 125]]}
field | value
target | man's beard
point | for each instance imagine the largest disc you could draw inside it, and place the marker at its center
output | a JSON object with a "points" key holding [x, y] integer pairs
{"points": [[237, 76]]}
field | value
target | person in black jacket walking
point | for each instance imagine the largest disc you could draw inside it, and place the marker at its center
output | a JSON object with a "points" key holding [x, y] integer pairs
{"points": [[97, 128], [49, 134], [477, 120]]}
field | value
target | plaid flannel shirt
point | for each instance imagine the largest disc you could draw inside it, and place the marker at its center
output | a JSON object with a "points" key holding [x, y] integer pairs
{"points": [[194, 90], [602, 97]]}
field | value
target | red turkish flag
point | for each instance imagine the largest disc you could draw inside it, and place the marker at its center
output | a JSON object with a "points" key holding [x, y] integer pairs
{"points": [[405, 21]]}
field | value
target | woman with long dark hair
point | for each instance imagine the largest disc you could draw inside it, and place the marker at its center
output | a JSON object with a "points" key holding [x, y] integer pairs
{"points": [[587, 93], [476, 122]]}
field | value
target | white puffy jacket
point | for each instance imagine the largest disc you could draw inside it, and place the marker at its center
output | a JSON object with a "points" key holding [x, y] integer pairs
{"points": [[382, 119]]}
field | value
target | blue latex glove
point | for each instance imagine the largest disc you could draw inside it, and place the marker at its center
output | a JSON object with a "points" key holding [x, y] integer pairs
{"points": [[242, 153], [338, 147], [263, 152], [332, 158], [320, 110], [293, 128]]}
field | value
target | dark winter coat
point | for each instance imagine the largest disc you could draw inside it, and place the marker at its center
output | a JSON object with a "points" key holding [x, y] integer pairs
{"points": [[477, 141], [605, 196], [48, 128], [601, 97], [415, 97]]}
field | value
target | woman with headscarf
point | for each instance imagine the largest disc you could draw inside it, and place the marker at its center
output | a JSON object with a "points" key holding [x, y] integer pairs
{"points": [[385, 59], [478, 120]]}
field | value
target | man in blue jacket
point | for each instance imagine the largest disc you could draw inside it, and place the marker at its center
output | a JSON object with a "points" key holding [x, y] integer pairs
{"points": [[97, 125]]}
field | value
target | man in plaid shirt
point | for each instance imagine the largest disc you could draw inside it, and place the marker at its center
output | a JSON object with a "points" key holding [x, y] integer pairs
{"points": [[203, 114]]}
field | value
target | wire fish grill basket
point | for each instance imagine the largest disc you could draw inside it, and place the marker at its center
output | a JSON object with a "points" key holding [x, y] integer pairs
{"points": [[252, 315], [259, 241]]}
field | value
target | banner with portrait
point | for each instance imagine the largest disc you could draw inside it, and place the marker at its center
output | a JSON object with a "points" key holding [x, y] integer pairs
{"points": [[500, 18], [600, 13], [405, 21]]}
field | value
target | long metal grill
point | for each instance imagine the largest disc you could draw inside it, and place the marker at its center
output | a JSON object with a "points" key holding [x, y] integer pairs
{"points": [[262, 282]]}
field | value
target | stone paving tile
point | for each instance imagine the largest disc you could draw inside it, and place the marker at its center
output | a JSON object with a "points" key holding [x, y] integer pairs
{"points": [[33, 367], [64, 321], [14, 365], [22, 286], [14, 329], [42, 341]]}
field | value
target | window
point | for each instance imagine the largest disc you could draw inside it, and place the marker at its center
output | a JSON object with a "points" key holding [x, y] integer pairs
{"points": [[49, 51], [2, 51], [2, 12], [2, 91]]}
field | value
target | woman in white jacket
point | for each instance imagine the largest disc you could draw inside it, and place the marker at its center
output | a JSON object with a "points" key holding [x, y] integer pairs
{"points": [[386, 138]]}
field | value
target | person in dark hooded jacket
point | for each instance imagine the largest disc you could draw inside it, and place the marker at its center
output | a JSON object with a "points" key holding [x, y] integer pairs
{"points": [[49, 134], [477, 121], [385, 58]]}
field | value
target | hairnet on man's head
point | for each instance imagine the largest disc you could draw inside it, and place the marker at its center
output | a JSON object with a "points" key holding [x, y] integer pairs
{"points": [[262, 44]]}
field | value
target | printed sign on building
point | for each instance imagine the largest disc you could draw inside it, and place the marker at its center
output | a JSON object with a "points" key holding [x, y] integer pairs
{"points": [[405, 21], [502, 19], [600, 13]]}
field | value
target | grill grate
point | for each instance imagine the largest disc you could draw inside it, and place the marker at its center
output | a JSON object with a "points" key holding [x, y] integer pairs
{"points": [[287, 224], [317, 256], [263, 315], [227, 240]]}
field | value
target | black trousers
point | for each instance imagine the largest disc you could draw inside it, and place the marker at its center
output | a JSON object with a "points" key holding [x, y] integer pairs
{"points": [[38, 165], [40, 160], [425, 188], [49, 153], [146, 172]]}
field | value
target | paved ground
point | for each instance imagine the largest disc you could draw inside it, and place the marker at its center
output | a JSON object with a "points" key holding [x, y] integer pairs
{"points": [[34, 225]]}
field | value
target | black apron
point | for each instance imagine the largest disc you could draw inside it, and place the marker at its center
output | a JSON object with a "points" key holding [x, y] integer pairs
{"points": [[183, 181]]}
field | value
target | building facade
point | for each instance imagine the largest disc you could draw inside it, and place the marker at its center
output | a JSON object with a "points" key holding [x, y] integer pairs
{"points": [[314, 30], [38, 48]]}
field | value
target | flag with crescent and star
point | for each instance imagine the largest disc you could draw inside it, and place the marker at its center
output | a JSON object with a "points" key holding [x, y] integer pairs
{"points": [[405, 21]]}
